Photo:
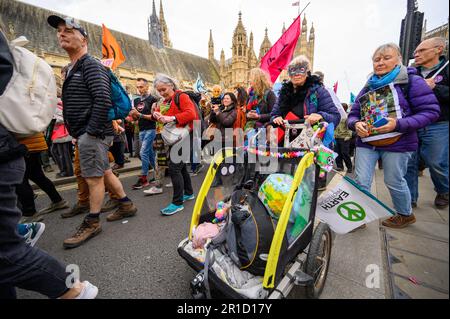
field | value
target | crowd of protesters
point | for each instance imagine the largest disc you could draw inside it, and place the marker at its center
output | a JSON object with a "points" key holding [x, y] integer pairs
{"points": [[84, 143]]}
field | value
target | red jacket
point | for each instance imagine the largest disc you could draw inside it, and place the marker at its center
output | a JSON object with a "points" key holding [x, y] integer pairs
{"points": [[186, 113]]}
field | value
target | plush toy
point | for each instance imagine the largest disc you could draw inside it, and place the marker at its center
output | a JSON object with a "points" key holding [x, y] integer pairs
{"points": [[325, 159], [216, 95], [221, 212]]}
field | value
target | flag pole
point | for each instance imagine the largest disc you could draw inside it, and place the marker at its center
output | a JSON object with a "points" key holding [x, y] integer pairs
{"points": [[303, 8]]}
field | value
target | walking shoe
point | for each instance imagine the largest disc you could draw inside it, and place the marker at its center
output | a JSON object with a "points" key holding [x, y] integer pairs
{"points": [[172, 209], [154, 191], [116, 167], [35, 230], [110, 205], [339, 169], [414, 205], [169, 185], [54, 207], [188, 198], [350, 171], [125, 210], [77, 209], [31, 219], [141, 183], [441, 201], [48, 169], [89, 291], [399, 221], [197, 170], [87, 230]]}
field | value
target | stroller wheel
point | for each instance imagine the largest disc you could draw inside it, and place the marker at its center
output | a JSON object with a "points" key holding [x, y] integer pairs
{"points": [[318, 259]]}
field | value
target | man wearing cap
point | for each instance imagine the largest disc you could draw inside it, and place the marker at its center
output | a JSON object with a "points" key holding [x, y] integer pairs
{"points": [[432, 65], [87, 101]]}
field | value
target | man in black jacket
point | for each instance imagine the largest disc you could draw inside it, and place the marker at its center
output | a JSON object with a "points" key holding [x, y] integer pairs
{"points": [[20, 264], [87, 101], [433, 66]]}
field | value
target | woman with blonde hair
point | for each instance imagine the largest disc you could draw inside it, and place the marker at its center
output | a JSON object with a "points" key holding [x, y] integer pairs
{"points": [[261, 99]]}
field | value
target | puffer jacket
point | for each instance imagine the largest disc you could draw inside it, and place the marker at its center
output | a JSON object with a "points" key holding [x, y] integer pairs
{"points": [[318, 100], [87, 99], [225, 119], [420, 109]]}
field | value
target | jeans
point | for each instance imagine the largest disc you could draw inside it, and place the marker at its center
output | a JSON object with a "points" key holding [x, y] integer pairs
{"points": [[147, 152], [25, 192], [21, 265], [395, 166], [433, 150]]}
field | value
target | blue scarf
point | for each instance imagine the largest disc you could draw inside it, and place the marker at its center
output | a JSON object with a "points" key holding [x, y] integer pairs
{"points": [[376, 82]]}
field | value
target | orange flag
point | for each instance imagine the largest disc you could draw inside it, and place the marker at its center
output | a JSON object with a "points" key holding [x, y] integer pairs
{"points": [[111, 49]]}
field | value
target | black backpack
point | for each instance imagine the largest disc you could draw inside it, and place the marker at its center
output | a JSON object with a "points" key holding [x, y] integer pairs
{"points": [[195, 98], [249, 233]]}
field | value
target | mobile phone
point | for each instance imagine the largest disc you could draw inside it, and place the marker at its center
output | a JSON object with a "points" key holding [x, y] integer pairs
{"points": [[381, 122]]}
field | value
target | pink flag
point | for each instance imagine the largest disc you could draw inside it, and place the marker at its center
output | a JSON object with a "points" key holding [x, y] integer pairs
{"points": [[296, 4], [335, 86], [280, 55]]}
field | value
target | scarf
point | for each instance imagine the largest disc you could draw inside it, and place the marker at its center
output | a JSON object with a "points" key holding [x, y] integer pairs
{"points": [[376, 82]]}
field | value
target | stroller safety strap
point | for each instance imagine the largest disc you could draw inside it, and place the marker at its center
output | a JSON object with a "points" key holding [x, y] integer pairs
{"points": [[274, 253]]}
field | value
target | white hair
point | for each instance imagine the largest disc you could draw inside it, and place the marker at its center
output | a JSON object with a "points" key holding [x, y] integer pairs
{"points": [[388, 46], [301, 60], [165, 79]]}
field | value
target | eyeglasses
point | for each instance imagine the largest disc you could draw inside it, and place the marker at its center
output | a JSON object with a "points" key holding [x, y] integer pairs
{"points": [[423, 50]]}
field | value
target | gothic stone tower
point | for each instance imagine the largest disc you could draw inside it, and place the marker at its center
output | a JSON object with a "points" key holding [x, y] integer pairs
{"points": [[239, 64], [165, 30], [155, 35]]}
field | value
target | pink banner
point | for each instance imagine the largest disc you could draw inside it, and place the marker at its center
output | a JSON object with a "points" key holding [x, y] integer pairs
{"points": [[280, 55]]}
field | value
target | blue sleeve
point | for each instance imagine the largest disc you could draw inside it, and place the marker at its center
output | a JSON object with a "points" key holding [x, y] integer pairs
{"points": [[327, 108]]}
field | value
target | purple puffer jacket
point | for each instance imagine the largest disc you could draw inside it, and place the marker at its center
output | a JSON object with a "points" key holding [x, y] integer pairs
{"points": [[421, 110]]}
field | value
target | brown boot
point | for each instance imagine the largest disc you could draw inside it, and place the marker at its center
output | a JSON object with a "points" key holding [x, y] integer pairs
{"points": [[399, 221], [87, 230], [110, 205], [77, 209], [126, 209], [441, 201]]}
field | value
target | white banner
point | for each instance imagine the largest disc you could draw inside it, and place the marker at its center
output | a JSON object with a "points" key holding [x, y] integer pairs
{"points": [[348, 207]]}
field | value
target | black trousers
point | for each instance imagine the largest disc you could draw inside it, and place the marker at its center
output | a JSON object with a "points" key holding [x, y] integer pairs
{"points": [[343, 150], [118, 152], [34, 173], [181, 180], [130, 140], [62, 154], [21, 265]]}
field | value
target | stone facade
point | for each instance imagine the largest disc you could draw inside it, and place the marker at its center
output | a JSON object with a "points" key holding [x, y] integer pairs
{"points": [[235, 71], [441, 32], [142, 58]]}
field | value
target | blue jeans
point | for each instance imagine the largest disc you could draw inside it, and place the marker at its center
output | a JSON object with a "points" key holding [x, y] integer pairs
{"points": [[395, 166], [147, 153], [434, 151]]}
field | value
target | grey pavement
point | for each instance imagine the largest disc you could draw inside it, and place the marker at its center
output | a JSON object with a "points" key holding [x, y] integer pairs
{"points": [[139, 259]]}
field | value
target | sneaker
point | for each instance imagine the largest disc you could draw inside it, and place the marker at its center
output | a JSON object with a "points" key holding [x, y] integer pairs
{"points": [[414, 205], [125, 210], [154, 191], [169, 185], [197, 170], [399, 221], [77, 209], [89, 291], [141, 183], [48, 169], [87, 230], [110, 205], [116, 167], [172, 209], [441, 201], [339, 169], [35, 230], [54, 207], [31, 219], [188, 198], [350, 171]]}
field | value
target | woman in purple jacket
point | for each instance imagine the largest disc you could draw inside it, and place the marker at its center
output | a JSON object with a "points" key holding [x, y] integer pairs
{"points": [[392, 106]]}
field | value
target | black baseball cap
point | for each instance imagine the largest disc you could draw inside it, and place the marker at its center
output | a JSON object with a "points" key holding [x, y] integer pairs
{"points": [[55, 20]]}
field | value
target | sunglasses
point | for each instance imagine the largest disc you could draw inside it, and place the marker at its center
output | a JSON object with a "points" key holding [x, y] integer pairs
{"points": [[71, 23]]}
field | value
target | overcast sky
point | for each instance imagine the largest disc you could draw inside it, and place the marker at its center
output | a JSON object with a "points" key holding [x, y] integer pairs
{"points": [[347, 31]]}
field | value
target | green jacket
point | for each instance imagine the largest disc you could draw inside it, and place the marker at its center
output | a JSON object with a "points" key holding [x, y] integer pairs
{"points": [[342, 131]]}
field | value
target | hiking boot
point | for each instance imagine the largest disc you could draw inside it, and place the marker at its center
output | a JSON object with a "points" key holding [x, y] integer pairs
{"points": [[399, 221], [77, 209], [125, 210], [87, 230], [172, 209], [110, 205], [441, 201], [54, 207], [141, 183], [35, 230]]}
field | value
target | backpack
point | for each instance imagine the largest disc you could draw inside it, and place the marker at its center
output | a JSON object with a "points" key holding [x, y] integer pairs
{"points": [[120, 100], [249, 233], [195, 98], [29, 99]]}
